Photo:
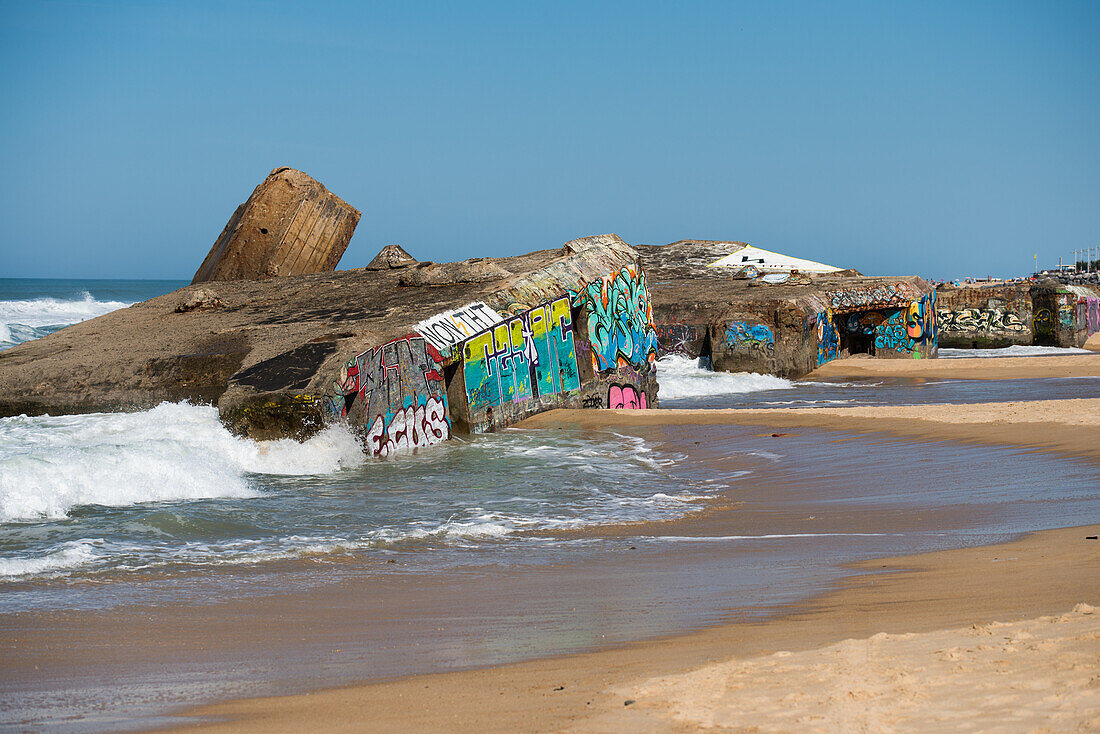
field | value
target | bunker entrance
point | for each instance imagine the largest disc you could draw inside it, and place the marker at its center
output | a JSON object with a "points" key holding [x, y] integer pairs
{"points": [[856, 336]]}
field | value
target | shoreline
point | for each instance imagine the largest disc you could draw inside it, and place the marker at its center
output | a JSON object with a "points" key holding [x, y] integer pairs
{"points": [[1065, 426], [1044, 573], [968, 368]]}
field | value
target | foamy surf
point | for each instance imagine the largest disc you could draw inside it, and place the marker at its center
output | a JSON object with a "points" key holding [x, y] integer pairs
{"points": [[176, 451], [24, 320], [681, 377], [1016, 350]]}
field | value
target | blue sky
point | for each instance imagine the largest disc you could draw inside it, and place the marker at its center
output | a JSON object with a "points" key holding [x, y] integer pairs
{"points": [[938, 139]]}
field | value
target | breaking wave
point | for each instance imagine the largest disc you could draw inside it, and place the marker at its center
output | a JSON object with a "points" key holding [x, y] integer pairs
{"points": [[1016, 350], [682, 377], [175, 451], [24, 320]]}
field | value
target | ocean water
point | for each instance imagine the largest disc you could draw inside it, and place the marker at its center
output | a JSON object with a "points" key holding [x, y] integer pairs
{"points": [[687, 383], [1016, 350], [30, 308], [94, 496]]}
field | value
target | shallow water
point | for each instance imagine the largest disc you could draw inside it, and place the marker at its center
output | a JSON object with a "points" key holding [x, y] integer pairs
{"points": [[748, 523], [689, 384]]}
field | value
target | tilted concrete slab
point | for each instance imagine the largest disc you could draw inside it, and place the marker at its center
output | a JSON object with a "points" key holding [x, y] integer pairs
{"points": [[290, 225]]}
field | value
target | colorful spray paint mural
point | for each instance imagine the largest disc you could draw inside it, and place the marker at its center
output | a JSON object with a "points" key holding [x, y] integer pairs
{"points": [[865, 298], [625, 397], [746, 338], [677, 339], [524, 356], [828, 338], [1092, 315], [980, 320], [450, 328], [911, 330], [620, 319], [398, 390]]}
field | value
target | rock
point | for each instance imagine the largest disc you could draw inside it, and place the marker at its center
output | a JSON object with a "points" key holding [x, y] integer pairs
{"points": [[201, 299], [393, 257], [290, 225]]}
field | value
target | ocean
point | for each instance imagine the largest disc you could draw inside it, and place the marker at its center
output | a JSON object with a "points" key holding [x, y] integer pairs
{"points": [[164, 509]]}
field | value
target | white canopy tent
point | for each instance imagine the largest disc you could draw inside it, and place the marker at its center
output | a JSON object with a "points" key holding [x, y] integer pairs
{"points": [[767, 261]]}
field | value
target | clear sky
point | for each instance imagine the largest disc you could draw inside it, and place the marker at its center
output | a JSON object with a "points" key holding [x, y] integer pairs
{"points": [[938, 139]]}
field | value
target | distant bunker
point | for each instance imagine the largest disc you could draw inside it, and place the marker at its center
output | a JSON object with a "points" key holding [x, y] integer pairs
{"points": [[752, 310], [1046, 313]]}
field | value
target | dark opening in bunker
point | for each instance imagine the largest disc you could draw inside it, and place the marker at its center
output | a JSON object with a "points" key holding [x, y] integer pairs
{"points": [[856, 336]]}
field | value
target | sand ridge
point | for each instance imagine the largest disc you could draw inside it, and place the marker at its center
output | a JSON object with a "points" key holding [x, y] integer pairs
{"points": [[967, 368], [1037, 674], [1070, 426]]}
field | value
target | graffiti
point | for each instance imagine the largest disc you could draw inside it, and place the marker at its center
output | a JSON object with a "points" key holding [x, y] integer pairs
{"points": [[676, 339], [864, 323], [980, 319], [1043, 321], [1092, 315], [920, 320], [884, 295], [525, 356], [1067, 316], [447, 329], [893, 333], [625, 396], [620, 319], [592, 401], [750, 338], [399, 390], [828, 338], [414, 427]]}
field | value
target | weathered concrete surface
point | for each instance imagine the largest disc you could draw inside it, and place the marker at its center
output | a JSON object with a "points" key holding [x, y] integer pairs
{"points": [[1047, 313], [980, 317], [281, 357], [290, 225], [786, 329], [391, 256]]}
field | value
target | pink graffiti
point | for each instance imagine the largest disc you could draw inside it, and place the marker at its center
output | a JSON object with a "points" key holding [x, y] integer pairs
{"points": [[625, 396]]}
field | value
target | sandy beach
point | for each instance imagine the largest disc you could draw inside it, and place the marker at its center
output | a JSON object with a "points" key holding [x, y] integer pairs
{"points": [[997, 637], [1003, 637], [969, 368]]}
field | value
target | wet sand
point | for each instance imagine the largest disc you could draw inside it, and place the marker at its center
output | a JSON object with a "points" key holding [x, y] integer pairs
{"points": [[965, 618], [953, 601], [1068, 426], [968, 368]]}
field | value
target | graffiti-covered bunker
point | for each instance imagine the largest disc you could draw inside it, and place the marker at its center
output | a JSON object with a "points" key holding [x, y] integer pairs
{"points": [[1048, 313], [484, 343], [780, 320], [573, 329]]}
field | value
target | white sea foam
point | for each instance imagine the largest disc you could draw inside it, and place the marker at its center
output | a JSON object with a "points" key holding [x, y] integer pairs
{"points": [[28, 319], [1016, 350], [63, 557], [176, 451], [681, 377]]}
